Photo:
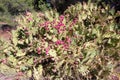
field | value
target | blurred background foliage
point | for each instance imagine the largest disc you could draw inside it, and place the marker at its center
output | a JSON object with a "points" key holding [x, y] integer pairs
{"points": [[14, 7], [11, 8]]}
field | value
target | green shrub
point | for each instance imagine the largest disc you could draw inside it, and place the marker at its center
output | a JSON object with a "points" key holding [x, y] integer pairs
{"points": [[82, 44]]}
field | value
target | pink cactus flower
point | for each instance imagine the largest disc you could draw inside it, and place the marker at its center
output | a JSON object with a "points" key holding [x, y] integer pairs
{"points": [[60, 27], [29, 19], [75, 20], [46, 23], [61, 18], [20, 73], [4, 61], [59, 42], [68, 40], [47, 50], [65, 46], [38, 50]]}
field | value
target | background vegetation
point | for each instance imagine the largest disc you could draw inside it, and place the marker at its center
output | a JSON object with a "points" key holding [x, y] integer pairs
{"points": [[10, 8]]}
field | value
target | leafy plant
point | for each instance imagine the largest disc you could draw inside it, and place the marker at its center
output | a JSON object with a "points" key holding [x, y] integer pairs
{"points": [[81, 44]]}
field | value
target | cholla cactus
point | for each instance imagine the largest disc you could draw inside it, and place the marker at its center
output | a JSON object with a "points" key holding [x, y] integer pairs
{"points": [[81, 44]]}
